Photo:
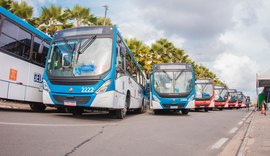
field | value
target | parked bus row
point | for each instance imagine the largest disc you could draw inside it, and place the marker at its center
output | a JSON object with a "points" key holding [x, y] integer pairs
{"points": [[93, 68]]}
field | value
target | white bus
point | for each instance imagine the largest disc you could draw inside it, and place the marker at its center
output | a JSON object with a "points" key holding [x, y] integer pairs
{"points": [[23, 51]]}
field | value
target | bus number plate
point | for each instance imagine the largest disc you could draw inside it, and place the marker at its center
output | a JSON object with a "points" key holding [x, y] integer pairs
{"points": [[173, 107], [69, 103]]}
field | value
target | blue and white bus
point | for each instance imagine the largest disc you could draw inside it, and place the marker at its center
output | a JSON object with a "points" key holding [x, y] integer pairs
{"points": [[172, 87], [93, 68], [23, 51]]}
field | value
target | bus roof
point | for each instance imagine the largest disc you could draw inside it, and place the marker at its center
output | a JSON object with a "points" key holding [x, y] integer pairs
{"points": [[207, 81], [86, 30], [173, 66], [24, 23], [232, 90]]}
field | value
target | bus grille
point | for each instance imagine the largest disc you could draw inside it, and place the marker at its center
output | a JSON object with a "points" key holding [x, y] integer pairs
{"points": [[79, 99]]}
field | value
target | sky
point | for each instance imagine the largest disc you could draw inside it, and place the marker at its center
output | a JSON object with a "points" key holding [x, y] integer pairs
{"points": [[231, 38]]}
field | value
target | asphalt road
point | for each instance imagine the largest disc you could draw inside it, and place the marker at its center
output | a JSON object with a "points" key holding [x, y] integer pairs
{"points": [[23, 132]]}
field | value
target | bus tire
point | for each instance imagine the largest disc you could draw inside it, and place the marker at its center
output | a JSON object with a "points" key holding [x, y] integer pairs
{"points": [[206, 109], [197, 109], [220, 109], [37, 107], [121, 113], [77, 111], [184, 111]]}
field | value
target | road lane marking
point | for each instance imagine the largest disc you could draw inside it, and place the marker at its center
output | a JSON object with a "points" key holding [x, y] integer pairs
{"points": [[233, 130], [240, 123], [219, 143], [54, 125]]}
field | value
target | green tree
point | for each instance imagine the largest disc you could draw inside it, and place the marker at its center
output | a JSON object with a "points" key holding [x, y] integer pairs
{"points": [[23, 10], [100, 21], [6, 4], [141, 53], [53, 19], [81, 15]]}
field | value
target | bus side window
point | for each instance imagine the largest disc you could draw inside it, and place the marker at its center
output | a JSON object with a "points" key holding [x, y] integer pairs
{"points": [[128, 64], [15, 40], [40, 50], [120, 57]]}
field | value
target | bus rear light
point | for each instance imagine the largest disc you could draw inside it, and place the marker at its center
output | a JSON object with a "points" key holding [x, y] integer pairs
{"points": [[104, 87], [45, 86]]}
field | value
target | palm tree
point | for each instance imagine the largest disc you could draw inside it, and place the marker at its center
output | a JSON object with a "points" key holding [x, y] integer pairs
{"points": [[6, 4], [141, 53], [100, 21], [81, 15], [52, 19], [23, 10]]}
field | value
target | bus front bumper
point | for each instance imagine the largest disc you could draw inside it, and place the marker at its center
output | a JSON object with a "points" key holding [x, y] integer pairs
{"points": [[110, 100]]}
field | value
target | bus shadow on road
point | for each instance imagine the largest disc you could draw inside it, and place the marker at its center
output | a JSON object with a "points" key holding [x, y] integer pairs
{"points": [[25, 110], [168, 113], [95, 116]]}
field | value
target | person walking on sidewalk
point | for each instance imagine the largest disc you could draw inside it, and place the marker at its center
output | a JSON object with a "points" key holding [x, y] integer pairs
{"points": [[247, 103], [260, 101]]}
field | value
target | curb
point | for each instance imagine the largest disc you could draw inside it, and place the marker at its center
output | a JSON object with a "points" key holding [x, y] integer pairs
{"points": [[241, 151]]}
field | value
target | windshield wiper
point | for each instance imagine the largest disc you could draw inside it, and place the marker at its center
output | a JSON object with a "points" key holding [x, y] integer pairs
{"points": [[87, 44]]}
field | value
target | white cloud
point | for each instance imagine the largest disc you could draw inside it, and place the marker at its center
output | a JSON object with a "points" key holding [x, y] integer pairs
{"points": [[237, 71]]}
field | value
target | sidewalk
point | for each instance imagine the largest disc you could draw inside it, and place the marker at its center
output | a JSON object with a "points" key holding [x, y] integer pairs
{"points": [[258, 136]]}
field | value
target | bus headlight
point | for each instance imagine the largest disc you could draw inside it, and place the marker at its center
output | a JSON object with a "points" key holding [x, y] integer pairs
{"points": [[104, 87], [45, 86]]}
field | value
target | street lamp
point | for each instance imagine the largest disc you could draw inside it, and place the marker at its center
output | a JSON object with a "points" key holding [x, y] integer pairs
{"points": [[106, 9]]}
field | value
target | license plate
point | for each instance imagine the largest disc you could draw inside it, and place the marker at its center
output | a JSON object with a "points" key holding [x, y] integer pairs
{"points": [[202, 106], [173, 107], [70, 103]]}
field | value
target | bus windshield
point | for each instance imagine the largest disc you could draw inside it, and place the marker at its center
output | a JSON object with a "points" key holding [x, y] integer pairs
{"points": [[240, 97], [233, 96], [173, 82], [220, 94], [204, 90], [80, 57]]}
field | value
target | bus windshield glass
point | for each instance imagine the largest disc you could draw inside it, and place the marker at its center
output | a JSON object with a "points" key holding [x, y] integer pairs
{"points": [[233, 96], [220, 94], [173, 82], [204, 90], [240, 96], [80, 57]]}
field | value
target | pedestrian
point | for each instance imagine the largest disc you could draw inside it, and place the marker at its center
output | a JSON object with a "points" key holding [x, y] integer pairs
{"points": [[247, 103], [261, 99]]}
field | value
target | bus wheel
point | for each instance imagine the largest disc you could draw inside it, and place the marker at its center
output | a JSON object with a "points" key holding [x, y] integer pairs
{"points": [[185, 111], [197, 109], [140, 110], [121, 113], [220, 109], [206, 109], [37, 107], [76, 111]]}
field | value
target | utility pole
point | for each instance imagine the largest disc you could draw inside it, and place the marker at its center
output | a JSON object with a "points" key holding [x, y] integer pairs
{"points": [[106, 9]]}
